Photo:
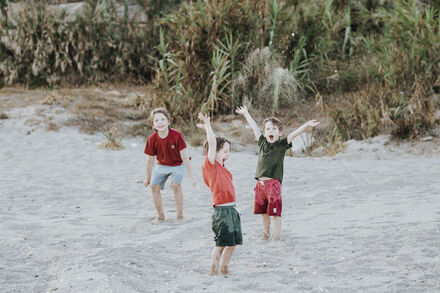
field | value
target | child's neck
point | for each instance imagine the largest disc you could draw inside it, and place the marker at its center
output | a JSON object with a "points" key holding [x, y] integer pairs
{"points": [[163, 134]]}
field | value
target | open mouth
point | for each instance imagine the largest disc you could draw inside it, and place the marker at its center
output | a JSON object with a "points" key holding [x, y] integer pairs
{"points": [[271, 137], [223, 161]]}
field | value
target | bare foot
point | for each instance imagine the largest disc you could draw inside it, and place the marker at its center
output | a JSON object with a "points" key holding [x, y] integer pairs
{"points": [[179, 217], [224, 270], [159, 219], [214, 270], [275, 238], [265, 236]]}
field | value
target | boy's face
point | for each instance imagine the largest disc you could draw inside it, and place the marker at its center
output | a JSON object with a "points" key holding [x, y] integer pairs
{"points": [[271, 132], [160, 122], [223, 154]]}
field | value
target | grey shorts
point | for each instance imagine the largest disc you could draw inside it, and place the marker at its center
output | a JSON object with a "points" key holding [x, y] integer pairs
{"points": [[226, 226], [162, 172]]}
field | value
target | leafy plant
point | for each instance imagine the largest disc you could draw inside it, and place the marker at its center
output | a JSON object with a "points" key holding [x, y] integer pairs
{"points": [[113, 139], [219, 82]]}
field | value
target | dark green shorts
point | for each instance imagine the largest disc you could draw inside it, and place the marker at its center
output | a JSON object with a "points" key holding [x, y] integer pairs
{"points": [[226, 226]]}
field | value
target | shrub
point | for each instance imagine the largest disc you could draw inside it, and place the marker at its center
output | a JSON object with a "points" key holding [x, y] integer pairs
{"points": [[43, 48]]}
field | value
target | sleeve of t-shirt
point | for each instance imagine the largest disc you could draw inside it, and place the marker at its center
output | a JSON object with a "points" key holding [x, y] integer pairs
{"points": [[208, 172], [285, 144], [261, 139], [180, 142], [149, 147], [208, 169], [207, 164]]}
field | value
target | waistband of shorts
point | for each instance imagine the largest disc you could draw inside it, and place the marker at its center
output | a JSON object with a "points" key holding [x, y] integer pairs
{"points": [[161, 164], [227, 205], [269, 181]]}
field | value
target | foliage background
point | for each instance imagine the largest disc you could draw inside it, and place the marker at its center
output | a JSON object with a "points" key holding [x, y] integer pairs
{"points": [[370, 66]]}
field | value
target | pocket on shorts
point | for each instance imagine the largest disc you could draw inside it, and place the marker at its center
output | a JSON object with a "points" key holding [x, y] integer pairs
{"points": [[215, 221]]}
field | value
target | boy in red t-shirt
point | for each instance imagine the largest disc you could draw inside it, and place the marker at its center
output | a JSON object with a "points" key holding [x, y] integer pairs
{"points": [[169, 148], [226, 223]]}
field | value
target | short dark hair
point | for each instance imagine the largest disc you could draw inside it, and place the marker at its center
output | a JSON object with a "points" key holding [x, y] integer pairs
{"points": [[220, 143], [277, 122]]}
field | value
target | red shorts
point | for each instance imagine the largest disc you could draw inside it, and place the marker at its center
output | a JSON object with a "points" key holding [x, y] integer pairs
{"points": [[268, 197]]}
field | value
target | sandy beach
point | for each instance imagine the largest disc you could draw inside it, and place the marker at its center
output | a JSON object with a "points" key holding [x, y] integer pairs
{"points": [[76, 218]]}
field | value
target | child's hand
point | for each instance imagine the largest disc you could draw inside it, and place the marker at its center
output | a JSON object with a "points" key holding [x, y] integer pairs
{"points": [[147, 182], [313, 123], [206, 121], [241, 110], [193, 182]]}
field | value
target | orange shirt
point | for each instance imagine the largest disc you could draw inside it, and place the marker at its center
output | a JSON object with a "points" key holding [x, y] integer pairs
{"points": [[219, 180]]}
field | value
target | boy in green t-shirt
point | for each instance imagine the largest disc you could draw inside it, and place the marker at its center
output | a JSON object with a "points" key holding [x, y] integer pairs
{"points": [[269, 172]]}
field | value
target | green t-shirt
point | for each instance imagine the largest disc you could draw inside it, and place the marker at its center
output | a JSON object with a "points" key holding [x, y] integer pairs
{"points": [[271, 158]]}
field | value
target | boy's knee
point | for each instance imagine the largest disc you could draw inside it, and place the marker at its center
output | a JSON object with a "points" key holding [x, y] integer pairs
{"points": [[176, 187], [155, 188]]}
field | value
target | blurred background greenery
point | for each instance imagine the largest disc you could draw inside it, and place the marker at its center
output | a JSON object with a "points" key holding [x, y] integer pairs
{"points": [[368, 66]]}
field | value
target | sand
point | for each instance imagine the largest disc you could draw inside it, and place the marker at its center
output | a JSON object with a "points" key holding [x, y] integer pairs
{"points": [[76, 218]]}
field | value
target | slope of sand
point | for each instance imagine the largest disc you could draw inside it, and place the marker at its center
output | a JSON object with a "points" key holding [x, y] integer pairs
{"points": [[75, 218]]}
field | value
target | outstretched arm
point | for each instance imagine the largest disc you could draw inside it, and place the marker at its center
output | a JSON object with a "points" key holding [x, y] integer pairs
{"points": [[210, 136], [304, 127], [244, 111]]}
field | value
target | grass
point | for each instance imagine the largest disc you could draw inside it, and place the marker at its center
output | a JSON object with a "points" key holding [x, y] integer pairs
{"points": [[113, 139], [356, 56]]}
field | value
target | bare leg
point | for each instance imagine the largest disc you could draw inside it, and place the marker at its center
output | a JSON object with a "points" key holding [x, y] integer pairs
{"points": [[266, 227], [155, 189], [178, 197], [215, 259], [226, 258], [277, 228]]}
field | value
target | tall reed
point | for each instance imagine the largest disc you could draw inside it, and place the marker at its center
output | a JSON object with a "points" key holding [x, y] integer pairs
{"points": [[209, 55]]}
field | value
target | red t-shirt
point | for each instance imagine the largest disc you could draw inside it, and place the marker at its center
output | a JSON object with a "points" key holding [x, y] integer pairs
{"points": [[167, 150], [219, 180]]}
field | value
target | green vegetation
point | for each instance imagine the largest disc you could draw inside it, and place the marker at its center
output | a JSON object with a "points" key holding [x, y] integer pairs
{"points": [[113, 139], [373, 64]]}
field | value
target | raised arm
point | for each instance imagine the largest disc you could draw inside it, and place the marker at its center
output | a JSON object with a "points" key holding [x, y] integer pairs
{"points": [[304, 127], [210, 136], [244, 111]]}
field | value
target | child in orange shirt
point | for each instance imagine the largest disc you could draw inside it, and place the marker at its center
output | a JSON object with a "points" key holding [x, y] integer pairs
{"points": [[226, 223]]}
